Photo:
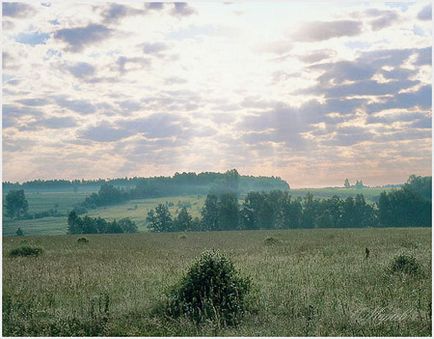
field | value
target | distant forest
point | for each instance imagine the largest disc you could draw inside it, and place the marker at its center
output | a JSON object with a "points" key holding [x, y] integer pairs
{"points": [[178, 184], [409, 206]]}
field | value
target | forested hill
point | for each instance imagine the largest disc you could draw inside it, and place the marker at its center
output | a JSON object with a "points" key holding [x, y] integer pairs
{"points": [[180, 183]]}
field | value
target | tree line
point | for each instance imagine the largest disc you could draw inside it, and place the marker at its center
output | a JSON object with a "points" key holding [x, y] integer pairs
{"points": [[407, 206], [179, 183], [88, 225]]}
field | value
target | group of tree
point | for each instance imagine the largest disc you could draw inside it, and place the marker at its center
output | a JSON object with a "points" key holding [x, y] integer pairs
{"points": [[407, 206], [359, 184], [16, 204], [16, 207], [161, 220], [107, 195], [178, 184], [88, 225]]}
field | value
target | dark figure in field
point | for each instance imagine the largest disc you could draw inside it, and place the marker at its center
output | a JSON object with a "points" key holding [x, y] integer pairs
{"points": [[367, 252]]}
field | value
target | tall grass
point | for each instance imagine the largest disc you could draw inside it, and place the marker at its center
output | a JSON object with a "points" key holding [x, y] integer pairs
{"points": [[314, 282]]}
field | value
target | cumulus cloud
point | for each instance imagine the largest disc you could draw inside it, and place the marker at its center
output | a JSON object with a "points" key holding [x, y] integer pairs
{"points": [[425, 13], [17, 10], [51, 123], [381, 18], [78, 106], [155, 126], [81, 70], [104, 132], [317, 56], [182, 9], [325, 30], [78, 38], [112, 13], [154, 6], [153, 47], [420, 98], [424, 56], [125, 64], [34, 101]]}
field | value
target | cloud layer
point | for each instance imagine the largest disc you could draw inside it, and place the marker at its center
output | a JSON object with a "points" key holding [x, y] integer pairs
{"points": [[313, 93]]}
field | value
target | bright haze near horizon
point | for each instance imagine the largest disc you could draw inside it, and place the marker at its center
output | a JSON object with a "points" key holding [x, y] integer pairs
{"points": [[311, 92]]}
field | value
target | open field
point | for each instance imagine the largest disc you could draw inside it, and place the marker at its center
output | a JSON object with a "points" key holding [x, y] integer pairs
{"points": [[137, 210], [66, 200], [312, 282]]}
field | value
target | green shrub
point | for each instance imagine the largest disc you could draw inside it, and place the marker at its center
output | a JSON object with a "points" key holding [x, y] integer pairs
{"points": [[212, 289], [271, 241], [25, 251], [182, 236], [405, 263], [82, 240]]}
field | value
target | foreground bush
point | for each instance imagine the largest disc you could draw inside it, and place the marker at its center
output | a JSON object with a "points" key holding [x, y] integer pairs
{"points": [[25, 251], [212, 290], [405, 263]]}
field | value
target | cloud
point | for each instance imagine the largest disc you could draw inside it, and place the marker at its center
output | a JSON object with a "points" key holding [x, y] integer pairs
{"points": [[364, 88], [424, 56], [155, 126], [12, 114], [79, 106], [17, 10], [349, 136], [125, 64], [52, 123], [81, 70], [381, 18], [34, 102], [425, 13], [317, 56], [7, 25], [420, 98], [341, 71], [79, 38], [325, 30], [154, 6], [104, 132], [182, 9], [356, 78], [153, 48], [113, 13]]}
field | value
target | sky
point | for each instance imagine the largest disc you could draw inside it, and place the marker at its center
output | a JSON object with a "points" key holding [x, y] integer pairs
{"points": [[312, 92]]}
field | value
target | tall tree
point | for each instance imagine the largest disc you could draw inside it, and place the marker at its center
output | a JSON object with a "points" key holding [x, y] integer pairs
{"points": [[160, 220], [228, 212], [347, 183], [210, 213], [16, 204], [183, 221]]}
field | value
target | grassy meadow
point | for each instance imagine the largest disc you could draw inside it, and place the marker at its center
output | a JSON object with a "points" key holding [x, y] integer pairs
{"points": [[309, 282], [137, 210]]}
